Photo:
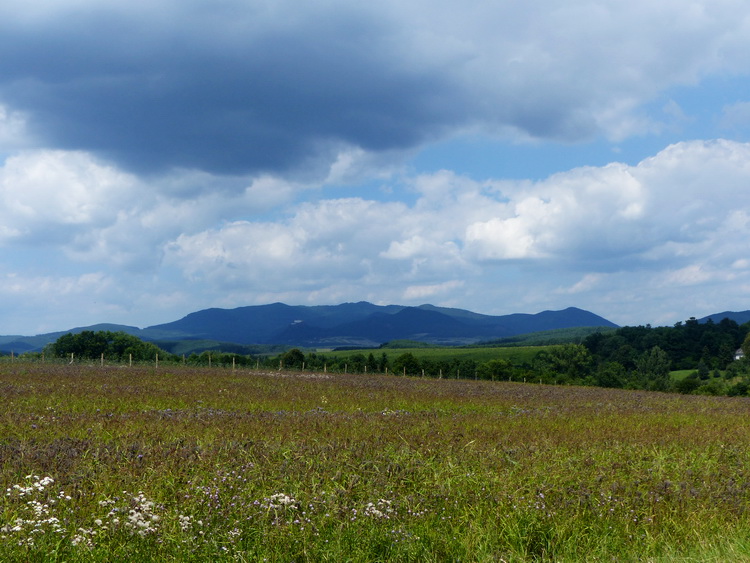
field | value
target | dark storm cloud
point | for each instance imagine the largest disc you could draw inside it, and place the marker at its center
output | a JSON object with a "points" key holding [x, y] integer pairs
{"points": [[224, 94], [238, 86]]}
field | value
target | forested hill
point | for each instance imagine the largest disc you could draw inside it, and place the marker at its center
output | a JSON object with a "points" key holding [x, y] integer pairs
{"points": [[687, 344]]}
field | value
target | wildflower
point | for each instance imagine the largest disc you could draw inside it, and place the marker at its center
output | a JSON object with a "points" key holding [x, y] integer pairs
{"points": [[184, 522], [280, 500], [381, 509]]}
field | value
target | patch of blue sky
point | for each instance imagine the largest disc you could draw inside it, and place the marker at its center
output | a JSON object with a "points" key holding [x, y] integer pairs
{"points": [[699, 111], [483, 158], [681, 113]]}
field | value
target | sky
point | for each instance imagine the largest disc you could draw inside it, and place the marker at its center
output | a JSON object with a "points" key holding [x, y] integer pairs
{"points": [[158, 157]]}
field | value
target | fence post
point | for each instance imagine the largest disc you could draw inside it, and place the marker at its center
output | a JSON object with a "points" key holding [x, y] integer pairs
{"points": [[102, 361], [157, 360]]}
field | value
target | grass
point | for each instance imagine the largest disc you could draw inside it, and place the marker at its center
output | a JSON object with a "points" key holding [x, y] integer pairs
{"points": [[178, 464], [517, 355], [550, 337], [680, 374]]}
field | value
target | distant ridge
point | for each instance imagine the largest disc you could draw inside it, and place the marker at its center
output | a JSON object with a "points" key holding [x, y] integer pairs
{"points": [[740, 317], [362, 324], [359, 324]]}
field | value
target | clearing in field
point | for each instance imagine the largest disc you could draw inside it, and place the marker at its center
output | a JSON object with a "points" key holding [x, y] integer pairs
{"points": [[145, 464]]}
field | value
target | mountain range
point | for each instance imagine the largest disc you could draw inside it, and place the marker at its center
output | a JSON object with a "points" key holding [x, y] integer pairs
{"points": [[328, 326]]}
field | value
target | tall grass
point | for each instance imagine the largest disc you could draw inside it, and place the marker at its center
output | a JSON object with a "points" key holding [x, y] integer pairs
{"points": [[180, 464]]}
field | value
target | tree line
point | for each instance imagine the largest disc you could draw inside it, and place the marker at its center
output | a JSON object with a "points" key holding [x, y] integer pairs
{"points": [[687, 344], [634, 357], [639, 357]]}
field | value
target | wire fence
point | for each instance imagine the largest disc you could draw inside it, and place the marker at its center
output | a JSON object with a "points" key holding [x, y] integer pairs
{"points": [[228, 361]]}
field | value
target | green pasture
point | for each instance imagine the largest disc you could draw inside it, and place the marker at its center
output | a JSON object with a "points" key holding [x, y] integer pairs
{"points": [[679, 375], [518, 355]]}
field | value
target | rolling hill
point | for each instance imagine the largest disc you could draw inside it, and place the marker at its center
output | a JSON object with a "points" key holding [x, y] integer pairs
{"points": [[360, 324]]}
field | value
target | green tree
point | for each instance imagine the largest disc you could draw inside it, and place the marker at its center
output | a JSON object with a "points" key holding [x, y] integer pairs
{"points": [[566, 363], [688, 384], [713, 387], [739, 389], [357, 363], [652, 368], [611, 374], [122, 346], [293, 358], [495, 369], [703, 371], [86, 344], [383, 363], [115, 346], [407, 363], [746, 345]]}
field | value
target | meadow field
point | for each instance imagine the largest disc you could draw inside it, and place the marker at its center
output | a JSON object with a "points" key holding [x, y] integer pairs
{"points": [[196, 464]]}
